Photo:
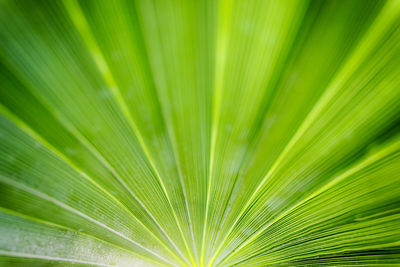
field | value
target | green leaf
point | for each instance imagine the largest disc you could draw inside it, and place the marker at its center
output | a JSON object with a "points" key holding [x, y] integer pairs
{"points": [[199, 133]]}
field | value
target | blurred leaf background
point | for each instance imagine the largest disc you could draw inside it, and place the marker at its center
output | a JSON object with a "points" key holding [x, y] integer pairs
{"points": [[199, 133]]}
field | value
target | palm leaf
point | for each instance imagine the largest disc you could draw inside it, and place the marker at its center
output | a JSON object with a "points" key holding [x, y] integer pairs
{"points": [[199, 133]]}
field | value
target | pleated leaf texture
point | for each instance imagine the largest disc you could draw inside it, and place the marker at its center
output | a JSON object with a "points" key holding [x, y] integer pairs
{"points": [[199, 133]]}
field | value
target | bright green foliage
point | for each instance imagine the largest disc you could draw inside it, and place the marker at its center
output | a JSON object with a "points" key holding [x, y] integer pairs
{"points": [[199, 133]]}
